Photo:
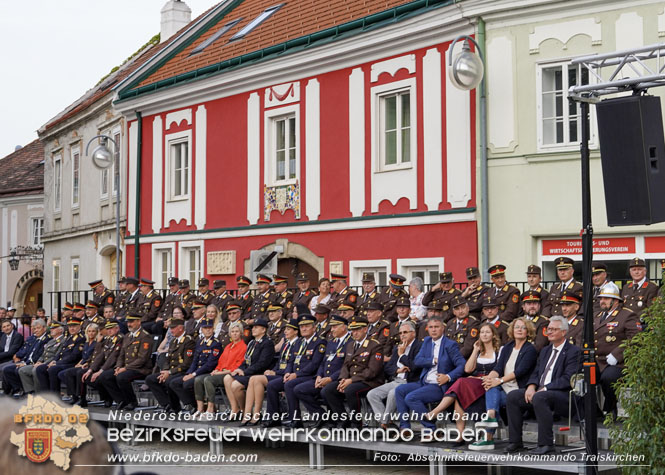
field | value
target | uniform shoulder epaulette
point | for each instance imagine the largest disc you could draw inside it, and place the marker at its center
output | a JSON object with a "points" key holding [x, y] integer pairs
{"points": [[372, 294], [472, 318], [505, 287], [375, 341], [452, 290]]}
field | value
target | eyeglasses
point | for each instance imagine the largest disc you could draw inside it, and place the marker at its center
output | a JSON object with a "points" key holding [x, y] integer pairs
{"points": [[522, 327], [550, 329], [406, 332]]}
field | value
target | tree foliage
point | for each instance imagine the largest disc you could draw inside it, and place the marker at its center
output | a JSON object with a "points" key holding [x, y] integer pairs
{"points": [[642, 395]]}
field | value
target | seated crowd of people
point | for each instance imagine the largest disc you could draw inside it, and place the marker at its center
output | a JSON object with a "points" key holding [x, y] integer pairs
{"points": [[412, 355]]}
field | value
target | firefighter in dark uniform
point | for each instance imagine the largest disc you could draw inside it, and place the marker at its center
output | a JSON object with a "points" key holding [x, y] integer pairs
{"points": [[565, 271], [531, 308], [187, 297], [262, 299], [612, 326], [178, 360], [170, 301], [72, 377], [120, 304], [244, 296], [101, 295], [341, 292], [193, 325], [492, 314], [474, 292], [206, 354], [304, 366], [133, 363], [283, 296], [322, 316], [308, 391], [378, 327], [443, 292], [304, 294], [67, 356], [506, 296], [111, 346], [462, 329], [534, 279], [391, 294], [276, 324], [152, 302], [205, 294], [403, 309], [91, 316], [639, 294], [370, 294], [362, 371], [134, 301], [234, 312], [599, 279], [221, 298], [570, 303]]}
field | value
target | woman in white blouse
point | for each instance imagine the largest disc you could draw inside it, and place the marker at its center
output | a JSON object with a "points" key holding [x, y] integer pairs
{"points": [[324, 294]]}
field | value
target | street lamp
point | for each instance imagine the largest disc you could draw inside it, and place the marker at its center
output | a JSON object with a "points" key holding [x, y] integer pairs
{"points": [[466, 72], [102, 158]]}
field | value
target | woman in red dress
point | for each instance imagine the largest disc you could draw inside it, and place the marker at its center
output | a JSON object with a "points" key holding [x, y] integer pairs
{"points": [[466, 391]]}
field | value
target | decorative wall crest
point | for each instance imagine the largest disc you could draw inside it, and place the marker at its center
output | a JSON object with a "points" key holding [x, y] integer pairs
{"points": [[281, 198]]}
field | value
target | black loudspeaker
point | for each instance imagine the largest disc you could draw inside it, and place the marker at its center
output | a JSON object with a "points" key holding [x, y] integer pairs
{"points": [[632, 154]]}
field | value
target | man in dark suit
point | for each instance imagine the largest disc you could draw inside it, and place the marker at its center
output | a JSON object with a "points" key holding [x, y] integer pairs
{"points": [[441, 363], [10, 342], [399, 370], [547, 389]]}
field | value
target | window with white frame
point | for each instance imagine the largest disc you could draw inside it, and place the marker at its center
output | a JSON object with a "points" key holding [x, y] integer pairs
{"points": [[76, 177], [429, 274], [191, 265], [427, 268], [165, 267], [56, 275], [559, 119], [179, 169], [116, 164], [75, 273], [379, 268], [395, 128], [36, 231], [284, 145], [57, 182]]}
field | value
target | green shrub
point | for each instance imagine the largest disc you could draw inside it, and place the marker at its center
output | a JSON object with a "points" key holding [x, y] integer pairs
{"points": [[642, 395]]}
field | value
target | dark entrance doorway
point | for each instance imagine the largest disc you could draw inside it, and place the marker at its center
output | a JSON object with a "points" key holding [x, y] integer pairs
{"points": [[291, 267]]}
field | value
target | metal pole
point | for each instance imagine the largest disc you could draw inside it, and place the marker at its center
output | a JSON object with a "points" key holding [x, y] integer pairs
{"points": [[484, 186], [117, 222], [590, 426]]}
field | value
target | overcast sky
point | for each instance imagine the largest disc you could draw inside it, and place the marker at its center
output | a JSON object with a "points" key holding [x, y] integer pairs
{"points": [[52, 51]]}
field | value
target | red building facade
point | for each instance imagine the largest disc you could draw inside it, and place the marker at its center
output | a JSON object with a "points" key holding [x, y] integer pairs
{"points": [[353, 153]]}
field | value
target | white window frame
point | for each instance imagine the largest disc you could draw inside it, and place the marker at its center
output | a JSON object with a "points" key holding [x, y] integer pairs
{"points": [[76, 199], [76, 264], [270, 138], [183, 260], [406, 267], [116, 134], [175, 139], [157, 269], [356, 269], [564, 146], [31, 231], [57, 277], [57, 183], [378, 94]]}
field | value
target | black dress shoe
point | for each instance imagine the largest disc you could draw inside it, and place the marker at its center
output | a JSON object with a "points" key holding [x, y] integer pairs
{"points": [[108, 403], [73, 400], [122, 405], [129, 407], [293, 424], [542, 450], [457, 443], [83, 403], [67, 399], [270, 423], [513, 447], [19, 394]]}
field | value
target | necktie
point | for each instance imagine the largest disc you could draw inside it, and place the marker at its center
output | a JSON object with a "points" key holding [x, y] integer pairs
{"points": [[605, 315], [458, 326], [356, 345], [547, 368]]}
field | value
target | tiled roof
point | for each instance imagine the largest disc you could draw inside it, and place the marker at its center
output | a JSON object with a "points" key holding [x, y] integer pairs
{"points": [[22, 172], [295, 19]]}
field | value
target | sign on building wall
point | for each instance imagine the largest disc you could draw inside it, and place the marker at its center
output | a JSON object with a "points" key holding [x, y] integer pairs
{"points": [[564, 247]]}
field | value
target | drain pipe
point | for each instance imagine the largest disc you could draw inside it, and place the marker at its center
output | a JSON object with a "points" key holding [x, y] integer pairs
{"points": [[137, 222], [484, 193]]}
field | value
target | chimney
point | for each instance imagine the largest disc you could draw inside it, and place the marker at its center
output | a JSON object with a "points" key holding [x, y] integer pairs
{"points": [[175, 15]]}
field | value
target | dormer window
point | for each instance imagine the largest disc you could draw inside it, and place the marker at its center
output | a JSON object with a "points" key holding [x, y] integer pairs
{"points": [[215, 37], [267, 13]]}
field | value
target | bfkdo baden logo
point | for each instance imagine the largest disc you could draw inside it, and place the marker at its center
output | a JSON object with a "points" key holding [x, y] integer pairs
{"points": [[38, 444], [51, 431]]}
